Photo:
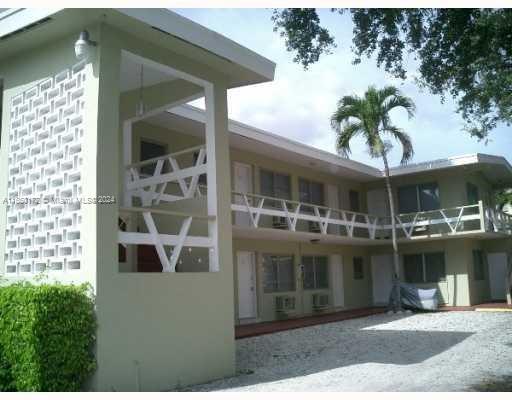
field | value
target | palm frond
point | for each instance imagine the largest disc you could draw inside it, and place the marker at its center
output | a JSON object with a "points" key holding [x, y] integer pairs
{"points": [[345, 134], [405, 141], [398, 100]]}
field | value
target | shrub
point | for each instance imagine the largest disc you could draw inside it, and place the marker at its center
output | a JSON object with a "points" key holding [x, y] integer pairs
{"points": [[46, 337]]}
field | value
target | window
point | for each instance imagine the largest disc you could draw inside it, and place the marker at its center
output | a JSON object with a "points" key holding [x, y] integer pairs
{"points": [[315, 272], [424, 268], [472, 193], [149, 150], [202, 178], [413, 268], [414, 198], [358, 268], [279, 275], [311, 192], [277, 185], [478, 265], [435, 270], [353, 197]]}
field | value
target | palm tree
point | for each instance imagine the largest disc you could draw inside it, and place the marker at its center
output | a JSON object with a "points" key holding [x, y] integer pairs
{"points": [[368, 116]]}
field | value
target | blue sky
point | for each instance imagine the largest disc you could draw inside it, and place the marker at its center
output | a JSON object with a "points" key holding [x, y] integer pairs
{"points": [[298, 103]]}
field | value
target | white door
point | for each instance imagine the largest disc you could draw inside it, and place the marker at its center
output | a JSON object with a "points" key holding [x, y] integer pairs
{"points": [[333, 201], [377, 200], [242, 184], [246, 284], [382, 277], [498, 275], [336, 267]]}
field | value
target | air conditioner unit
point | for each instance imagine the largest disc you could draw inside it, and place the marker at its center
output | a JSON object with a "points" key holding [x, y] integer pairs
{"points": [[279, 223], [285, 303], [320, 301]]}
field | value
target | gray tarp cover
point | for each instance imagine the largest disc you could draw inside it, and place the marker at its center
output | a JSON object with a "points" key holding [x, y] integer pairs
{"points": [[415, 298]]}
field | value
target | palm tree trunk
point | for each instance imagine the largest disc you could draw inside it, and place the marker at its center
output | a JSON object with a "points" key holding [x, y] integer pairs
{"points": [[397, 306]]}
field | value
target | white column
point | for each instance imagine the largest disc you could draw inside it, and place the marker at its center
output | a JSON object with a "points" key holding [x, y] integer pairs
{"points": [[218, 173]]}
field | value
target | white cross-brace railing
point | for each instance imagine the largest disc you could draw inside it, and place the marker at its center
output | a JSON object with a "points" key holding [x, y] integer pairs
{"points": [[453, 218], [498, 221], [294, 211], [160, 240], [167, 170]]}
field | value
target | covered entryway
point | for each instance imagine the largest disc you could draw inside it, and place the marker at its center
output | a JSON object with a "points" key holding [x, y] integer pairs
{"points": [[498, 270], [382, 278], [246, 268]]}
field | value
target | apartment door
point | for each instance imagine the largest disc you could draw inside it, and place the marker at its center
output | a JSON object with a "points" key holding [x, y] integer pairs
{"points": [[377, 202], [333, 201], [242, 184], [382, 277], [498, 275], [246, 268], [336, 263]]}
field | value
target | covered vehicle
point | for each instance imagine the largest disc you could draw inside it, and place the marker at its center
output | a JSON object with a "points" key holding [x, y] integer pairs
{"points": [[414, 298]]}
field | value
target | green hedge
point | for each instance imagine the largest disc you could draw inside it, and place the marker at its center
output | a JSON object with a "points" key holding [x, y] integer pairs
{"points": [[46, 337]]}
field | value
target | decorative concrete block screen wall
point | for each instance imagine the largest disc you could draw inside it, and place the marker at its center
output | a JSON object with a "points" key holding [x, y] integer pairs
{"points": [[45, 174]]}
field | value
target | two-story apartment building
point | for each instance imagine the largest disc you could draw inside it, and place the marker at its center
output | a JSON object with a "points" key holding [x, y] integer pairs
{"points": [[311, 230], [185, 223]]}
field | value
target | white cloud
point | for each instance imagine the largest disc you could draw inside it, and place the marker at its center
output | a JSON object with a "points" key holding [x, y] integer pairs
{"points": [[298, 104]]}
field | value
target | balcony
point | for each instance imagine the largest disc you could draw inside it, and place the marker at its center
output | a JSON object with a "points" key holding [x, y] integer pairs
{"points": [[170, 212], [281, 219]]}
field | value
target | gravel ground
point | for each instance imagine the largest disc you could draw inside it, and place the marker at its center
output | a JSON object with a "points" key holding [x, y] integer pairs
{"points": [[420, 352]]}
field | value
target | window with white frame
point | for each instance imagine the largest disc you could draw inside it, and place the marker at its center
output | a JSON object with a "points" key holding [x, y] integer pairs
{"points": [[315, 269], [478, 265], [311, 192], [358, 268], [424, 267], [354, 203], [415, 198], [274, 184], [472, 193], [278, 273]]}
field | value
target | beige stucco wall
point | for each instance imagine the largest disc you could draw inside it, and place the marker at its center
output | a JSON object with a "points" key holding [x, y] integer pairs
{"points": [[452, 185], [180, 325]]}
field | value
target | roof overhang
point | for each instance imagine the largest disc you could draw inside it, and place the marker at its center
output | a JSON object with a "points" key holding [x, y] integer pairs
{"points": [[22, 29], [495, 169], [190, 120]]}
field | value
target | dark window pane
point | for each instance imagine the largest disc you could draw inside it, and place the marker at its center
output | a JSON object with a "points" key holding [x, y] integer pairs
{"points": [[407, 199], [285, 274], [429, 197], [354, 200], [472, 193], [304, 191], [150, 150], [202, 178], [317, 193], [435, 267], [358, 268], [309, 273], [478, 265], [267, 183], [282, 186], [269, 274], [413, 268], [321, 273]]}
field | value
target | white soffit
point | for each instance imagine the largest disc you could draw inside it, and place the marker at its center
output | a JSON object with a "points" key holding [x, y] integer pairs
{"points": [[197, 35], [268, 144]]}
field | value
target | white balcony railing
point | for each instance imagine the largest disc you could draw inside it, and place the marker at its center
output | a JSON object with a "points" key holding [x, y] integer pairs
{"points": [[294, 216], [166, 172]]}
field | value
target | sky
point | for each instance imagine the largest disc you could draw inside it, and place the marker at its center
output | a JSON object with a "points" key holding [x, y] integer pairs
{"points": [[298, 103]]}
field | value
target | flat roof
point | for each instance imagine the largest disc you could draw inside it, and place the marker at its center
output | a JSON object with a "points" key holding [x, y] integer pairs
{"points": [[162, 26]]}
